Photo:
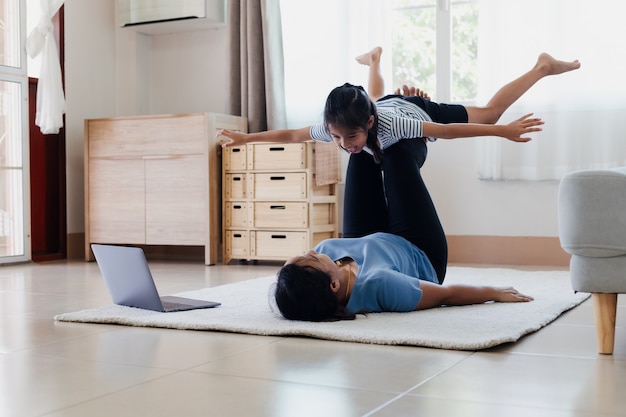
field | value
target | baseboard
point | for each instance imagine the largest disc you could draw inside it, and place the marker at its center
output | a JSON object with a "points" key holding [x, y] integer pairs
{"points": [[507, 250], [498, 250], [76, 250], [76, 246]]}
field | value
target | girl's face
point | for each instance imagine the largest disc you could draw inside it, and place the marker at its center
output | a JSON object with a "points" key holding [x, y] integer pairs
{"points": [[352, 140]]}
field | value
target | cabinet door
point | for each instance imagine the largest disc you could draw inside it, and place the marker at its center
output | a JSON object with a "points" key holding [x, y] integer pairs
{"points": [[116, 201], [176, 200]]}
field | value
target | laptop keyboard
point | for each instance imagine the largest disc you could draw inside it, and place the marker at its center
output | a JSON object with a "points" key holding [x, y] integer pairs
{"points": [[169, 305]]}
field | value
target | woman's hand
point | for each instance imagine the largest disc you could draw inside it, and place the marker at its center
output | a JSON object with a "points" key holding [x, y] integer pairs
{"points": [[510, 295], [522, 126]]}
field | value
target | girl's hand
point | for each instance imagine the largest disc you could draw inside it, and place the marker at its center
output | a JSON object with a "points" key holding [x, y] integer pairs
{"points": [[232, 137], [522, 126]]}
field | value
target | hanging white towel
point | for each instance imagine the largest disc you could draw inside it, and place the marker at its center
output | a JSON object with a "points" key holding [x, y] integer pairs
{"points": [[50, 96]]}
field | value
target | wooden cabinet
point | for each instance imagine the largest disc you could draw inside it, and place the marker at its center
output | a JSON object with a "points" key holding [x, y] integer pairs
{"points": [[155, 180], [273, 207]]}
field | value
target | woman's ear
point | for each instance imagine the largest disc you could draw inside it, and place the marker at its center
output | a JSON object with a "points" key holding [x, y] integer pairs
{"points": [[335, 285], [370, 121]]}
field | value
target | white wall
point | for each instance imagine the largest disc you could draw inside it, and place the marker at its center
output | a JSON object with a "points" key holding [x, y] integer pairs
{"points": [[89, 88], [188, 72], [468, 206], [115, 72]]}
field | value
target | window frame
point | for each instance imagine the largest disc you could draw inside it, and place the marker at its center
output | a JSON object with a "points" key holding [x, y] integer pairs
{"points": [[19, 75]]}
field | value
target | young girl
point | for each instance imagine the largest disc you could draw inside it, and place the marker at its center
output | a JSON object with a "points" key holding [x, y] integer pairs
{"points": [[356, 123], [393, 255]]}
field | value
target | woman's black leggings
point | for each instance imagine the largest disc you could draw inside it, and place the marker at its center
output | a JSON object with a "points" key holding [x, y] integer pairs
{"points": [[392, 197]]}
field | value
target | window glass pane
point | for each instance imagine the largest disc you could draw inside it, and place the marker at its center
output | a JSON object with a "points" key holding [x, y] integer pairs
{"points": [[464, 50], [414, 44], [9, 33], [11, 171]]}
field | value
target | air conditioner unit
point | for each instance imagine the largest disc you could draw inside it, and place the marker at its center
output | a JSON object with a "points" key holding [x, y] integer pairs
{"points": [[168, 16]]}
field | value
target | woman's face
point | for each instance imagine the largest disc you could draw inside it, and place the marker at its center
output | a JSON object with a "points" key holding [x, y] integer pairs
{"points": [[353, 140], [316, 260]]}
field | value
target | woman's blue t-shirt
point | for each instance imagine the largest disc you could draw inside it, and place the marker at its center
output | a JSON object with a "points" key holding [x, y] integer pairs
{"points": [[390, 269]]}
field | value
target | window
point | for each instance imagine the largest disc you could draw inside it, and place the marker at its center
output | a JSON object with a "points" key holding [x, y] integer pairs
{"points": [[431, 44], [13, 131], [583, 110], [464, 51], [434, 45]]}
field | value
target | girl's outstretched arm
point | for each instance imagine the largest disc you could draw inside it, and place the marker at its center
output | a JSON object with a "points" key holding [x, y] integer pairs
{"points": [[235, 138], [435, 295], [513, 131]]}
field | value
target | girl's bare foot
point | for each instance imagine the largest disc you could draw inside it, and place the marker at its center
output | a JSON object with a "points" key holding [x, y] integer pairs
{"points": [[551, 66], [370, 57]]}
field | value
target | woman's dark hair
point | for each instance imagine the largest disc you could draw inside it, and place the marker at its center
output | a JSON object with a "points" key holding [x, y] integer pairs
{"points": [[350, 106], [303, 293]]}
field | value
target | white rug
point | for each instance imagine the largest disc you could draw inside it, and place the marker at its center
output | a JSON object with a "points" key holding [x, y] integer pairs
{"points": [[245, 309]]}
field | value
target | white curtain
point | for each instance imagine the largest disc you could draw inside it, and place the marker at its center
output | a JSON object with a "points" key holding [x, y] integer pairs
{"points": [[584, 111], [321, 39], [50, 96]]}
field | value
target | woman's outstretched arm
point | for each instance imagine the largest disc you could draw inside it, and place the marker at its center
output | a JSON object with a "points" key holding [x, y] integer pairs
{"points": [[435, 295]]}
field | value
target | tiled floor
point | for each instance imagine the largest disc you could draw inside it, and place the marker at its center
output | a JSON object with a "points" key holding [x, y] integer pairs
{"points": [[68, 369]]}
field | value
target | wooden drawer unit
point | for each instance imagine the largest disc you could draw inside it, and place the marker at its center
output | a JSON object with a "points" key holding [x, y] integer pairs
{"points": [[278, 186], [323, 213], [277, 244], [268, 157], [236, 244], [234, 159], [236, 214], [154, 135], [280, 214], [275, 157], [272, 208], [235, 186], [155, 180]]}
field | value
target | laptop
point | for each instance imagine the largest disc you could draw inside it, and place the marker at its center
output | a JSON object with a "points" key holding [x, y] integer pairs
{"points": [[130, 282]]}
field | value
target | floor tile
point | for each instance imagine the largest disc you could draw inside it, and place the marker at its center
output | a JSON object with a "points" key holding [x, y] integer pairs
{"points": [[337, 364], [150, 347], [197, 394], [551, 382], [31, 385]]}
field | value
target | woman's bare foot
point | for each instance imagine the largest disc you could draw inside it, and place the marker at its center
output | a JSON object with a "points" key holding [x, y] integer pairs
{"points": [[370, 57], [548, 65]]}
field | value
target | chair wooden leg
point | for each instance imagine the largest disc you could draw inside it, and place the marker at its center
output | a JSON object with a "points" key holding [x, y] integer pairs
{"points": [[605, 310]]}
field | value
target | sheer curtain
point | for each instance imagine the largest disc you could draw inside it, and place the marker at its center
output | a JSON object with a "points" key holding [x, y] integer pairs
{"points": [[584, 110], [321, 40]]}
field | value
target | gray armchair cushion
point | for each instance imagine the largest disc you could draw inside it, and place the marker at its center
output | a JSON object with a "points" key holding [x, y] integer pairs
{"points": [[592, 213]]}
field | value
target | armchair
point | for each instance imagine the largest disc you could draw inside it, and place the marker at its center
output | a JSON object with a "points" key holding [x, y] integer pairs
{"points": [[592, 228]]}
